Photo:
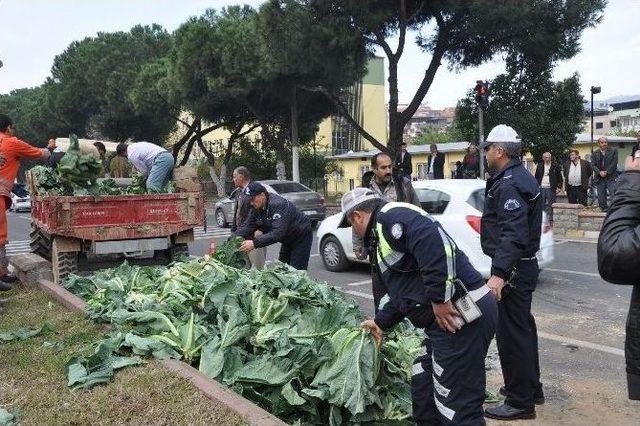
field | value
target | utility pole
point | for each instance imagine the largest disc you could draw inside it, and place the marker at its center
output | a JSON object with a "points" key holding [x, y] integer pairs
{"points": [[480, 140], [594, 90]]}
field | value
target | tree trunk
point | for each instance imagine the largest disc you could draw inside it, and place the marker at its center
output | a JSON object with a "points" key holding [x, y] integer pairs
{"points": [[219, 180], [295, 170]]}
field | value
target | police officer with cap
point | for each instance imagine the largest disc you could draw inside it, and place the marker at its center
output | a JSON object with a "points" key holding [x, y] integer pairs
{"points": [[280, 222], [431, 282], [511, 227]]}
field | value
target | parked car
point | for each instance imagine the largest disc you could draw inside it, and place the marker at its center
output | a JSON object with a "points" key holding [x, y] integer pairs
{"points": [[308, 201], [456, 203], [20, 198]]}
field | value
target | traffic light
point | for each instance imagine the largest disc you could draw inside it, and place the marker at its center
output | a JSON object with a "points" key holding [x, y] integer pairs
{"points": [[482, 93]]}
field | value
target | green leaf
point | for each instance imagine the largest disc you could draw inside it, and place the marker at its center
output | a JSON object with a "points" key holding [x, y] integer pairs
{"points": [[6, 418], [268, 371], [25, 333], [351, 376], [291, 395], [212, 359]]}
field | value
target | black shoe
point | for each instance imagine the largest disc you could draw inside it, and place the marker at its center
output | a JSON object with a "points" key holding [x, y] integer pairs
{"points": [[538, 397], [507, 412], [10, 279], [5, 287]]}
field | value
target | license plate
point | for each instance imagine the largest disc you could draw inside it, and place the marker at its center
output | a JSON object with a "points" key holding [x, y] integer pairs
{"points": [[310, 212]]}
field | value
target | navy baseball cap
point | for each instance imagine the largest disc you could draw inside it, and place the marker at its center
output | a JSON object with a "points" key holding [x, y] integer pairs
{"points": [[254, 188]]}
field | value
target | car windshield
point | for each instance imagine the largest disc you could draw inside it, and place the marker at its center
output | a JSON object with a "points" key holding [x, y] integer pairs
{"points": [[433, 201], [476, 200], [286, 187]]}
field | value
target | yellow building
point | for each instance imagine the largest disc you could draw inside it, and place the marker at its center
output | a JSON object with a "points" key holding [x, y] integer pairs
{"points": [[353, 165]]}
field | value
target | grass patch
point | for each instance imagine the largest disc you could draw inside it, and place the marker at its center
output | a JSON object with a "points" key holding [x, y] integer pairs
{"points": [[33, 381]]}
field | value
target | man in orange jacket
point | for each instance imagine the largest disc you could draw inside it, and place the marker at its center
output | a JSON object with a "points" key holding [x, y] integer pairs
{"points": [[12, 150]]}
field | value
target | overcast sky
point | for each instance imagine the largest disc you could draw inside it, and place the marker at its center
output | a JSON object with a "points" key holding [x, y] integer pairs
{"points": [[35, 31]]}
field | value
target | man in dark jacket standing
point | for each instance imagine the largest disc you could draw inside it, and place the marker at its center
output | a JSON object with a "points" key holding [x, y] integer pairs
{"points": [[242, 178], [618, 255], [549, 177], [403, 161], [576, 177], [280, 222], [511, 228], [436, 163], [605, 166]]}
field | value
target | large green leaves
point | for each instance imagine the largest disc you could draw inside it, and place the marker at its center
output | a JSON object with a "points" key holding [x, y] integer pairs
{"points": [[96, 369], [24, 333], [351, 376]]}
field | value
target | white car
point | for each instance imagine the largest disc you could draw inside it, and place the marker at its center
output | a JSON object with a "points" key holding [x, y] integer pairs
{"points": [[456, 203], [20, 203]]}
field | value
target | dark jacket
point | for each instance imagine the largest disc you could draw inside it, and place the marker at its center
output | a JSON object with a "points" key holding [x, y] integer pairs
{"points": [[242, 209], [585, 173], [610, 164], [280, 221], [471, 166], [404, 164], [512, 218], [555, 175], [618, 254], [419, 277], [438, 166]]}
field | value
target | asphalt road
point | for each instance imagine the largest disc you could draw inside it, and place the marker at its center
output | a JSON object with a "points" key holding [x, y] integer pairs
{"points": [[580, 325]]}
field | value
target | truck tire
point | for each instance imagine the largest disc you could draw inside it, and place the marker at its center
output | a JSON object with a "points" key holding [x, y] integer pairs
{"points": [[64, 264], [40, 242], [178, 251]]}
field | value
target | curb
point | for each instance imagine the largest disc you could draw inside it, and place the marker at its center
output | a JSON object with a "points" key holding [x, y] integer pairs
{"points": [[210, 388]]}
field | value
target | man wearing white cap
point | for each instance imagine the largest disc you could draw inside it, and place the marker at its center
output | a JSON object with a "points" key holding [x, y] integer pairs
{"points": [[431, 282], [511, 227]]}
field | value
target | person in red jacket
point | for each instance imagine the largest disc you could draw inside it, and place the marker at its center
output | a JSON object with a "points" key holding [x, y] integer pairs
{"points": [[12, 150]]}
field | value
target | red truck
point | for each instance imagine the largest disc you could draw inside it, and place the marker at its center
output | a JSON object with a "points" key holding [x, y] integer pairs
{"points": [[73, 230]]}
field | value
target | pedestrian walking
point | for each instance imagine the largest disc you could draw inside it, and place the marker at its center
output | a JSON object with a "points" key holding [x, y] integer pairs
{"points": [[242, 179], [280, 222], [510, 236], [549, 177], [605, 166], [428, 280], [577, 173], [12, 151], [618, 254]]}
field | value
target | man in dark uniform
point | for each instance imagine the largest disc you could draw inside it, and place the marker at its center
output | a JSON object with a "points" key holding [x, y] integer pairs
{"points": [[426, 278], [511, 227], [280, 222]]}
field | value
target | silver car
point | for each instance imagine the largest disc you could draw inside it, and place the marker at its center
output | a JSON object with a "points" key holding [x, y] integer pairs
{"points": [[305, 199]]}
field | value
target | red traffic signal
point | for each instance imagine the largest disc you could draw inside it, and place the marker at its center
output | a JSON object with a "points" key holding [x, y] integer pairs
{"points": [[482, 93]]}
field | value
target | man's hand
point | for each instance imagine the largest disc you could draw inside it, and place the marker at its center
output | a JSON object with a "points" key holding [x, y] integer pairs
{"points": [[374, 329], [603, 173], [247, 246], [496, 283], [632, 163], [447, 317]]}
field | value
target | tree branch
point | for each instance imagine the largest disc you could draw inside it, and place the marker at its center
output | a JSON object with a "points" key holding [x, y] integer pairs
{"points": [[385, 46], [403, 30], [344, 111]]}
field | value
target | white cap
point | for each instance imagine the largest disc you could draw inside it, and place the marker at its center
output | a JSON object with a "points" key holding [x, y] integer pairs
{"points": [[501, 133], [353, 199]]}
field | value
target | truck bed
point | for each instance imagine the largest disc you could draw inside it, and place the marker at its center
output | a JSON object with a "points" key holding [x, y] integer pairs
{"points": [[119, 217]]}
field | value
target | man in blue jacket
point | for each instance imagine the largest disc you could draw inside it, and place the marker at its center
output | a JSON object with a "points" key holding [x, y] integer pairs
{"points": [[280, 222], [431, 282]]}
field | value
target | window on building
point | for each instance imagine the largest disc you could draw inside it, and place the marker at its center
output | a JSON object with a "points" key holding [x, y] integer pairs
{"points": [[599, 125], [364, 169], [612, 123], [422, 170]]}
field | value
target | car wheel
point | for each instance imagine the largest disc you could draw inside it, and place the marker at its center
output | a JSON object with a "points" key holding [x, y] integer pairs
{"points": [[220, 219], [333, 255]]}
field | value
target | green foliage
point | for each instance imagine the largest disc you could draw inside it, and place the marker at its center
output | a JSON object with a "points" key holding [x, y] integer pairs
{"points": [[546, 114], [229, 253], [78, 171], [430, 135], [24, 333], [292, 345]]}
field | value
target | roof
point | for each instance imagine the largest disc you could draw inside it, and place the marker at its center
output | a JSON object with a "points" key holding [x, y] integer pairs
{"points": [[585, 138], [412, 149]]}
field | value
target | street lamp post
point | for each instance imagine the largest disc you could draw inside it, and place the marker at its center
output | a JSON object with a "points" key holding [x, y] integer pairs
{"points": [[594, 90]]}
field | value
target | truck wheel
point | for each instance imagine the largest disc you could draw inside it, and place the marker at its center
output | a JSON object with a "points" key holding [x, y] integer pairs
{"points": [[64, 264], [39, 242], [179, 251]]}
